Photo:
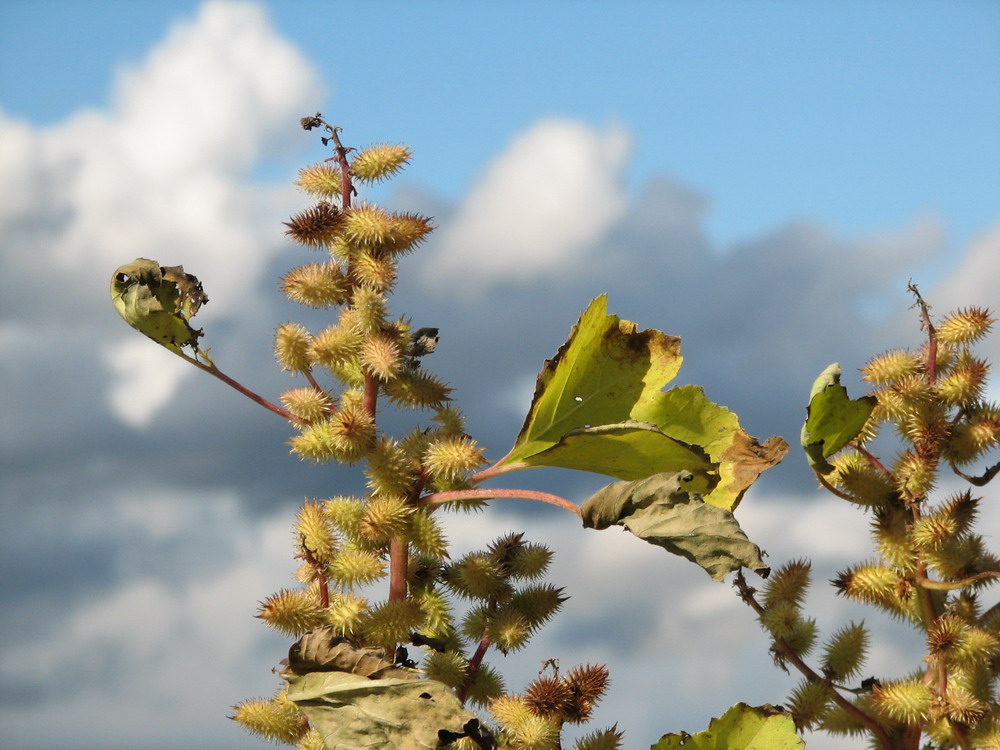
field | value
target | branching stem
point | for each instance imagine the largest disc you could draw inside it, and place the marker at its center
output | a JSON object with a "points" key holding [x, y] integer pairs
{"points": [[746, 594], [214, 371]]}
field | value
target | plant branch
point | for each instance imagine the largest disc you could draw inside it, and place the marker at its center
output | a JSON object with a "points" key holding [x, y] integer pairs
{"points": [[473, 666], [440, 498], [214, 371], [746, 594]]}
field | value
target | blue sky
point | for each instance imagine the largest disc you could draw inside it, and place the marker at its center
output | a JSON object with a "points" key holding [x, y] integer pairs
{"points": [[853, 113], [760, 179]]}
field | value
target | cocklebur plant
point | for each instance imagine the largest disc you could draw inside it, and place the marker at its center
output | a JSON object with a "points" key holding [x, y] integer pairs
{"points": [[930, 567], [405, 668]]}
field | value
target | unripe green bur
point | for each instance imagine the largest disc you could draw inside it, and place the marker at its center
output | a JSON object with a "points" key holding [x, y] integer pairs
{"points": [[392, 622], [486, 686], [906, 701], [965, 384], [932, 532], [317, 285], [354, 567], [965, 326], [844, 654], [368, 226], [381, 357], [438, 619], [345, 513], [858, 478], [808, 703], [601, 739], [450, 419], [509, 630], [452, 458], [312, 740], [384, 517], [891, 532], [321, 180], [522, 725], [477, 576], [417, 387], [869, 582], [375, 273], [531, 562], [314, 532], [274, 720], [803, 637], [334, 346], [891, 366], [409, 230], [961, 558], [291, 612], [307, 403], [977, 648], [538, 603], [346, 613], [449, 667], [789, 583], [380, 162], [390, 470], [426, 535], [781, 618], [292, 345], [914, 475], [368, 312]]}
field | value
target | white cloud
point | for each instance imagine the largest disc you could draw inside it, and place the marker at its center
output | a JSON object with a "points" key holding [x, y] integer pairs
{"points": [[145, 378], [163, 173], [536, 211]]}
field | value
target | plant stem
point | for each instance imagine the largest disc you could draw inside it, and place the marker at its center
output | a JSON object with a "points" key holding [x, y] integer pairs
{"points": [[746, 594], [216, 372], [473, 667], [439, 498]]}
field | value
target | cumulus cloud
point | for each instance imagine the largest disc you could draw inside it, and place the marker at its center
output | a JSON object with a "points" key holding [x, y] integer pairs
{"points": [[536, 211], [163, 173]]}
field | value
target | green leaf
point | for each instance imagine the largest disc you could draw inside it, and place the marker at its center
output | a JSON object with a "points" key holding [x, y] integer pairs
{"points": [[742, 727], [832, 419], [598, 406], [604, 368], [158, 301], [625, 450], [352, 711], [664, 511]]}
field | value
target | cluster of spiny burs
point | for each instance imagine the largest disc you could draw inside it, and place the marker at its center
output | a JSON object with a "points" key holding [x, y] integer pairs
{"points": [[930, 569], [347, 544]]}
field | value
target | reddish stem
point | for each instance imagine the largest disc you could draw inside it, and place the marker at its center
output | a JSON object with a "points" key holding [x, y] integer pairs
{"points": [[216, 372], [473, 666], [321, 579], [439, 498], [746, 593]]}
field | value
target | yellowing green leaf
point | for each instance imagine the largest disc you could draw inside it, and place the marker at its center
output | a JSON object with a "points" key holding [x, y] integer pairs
{"points": [[603, 369], [158, 301], [625, 450], [686, 414], [832, 419], [663, 510], [742, 727], [598, 406]]}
